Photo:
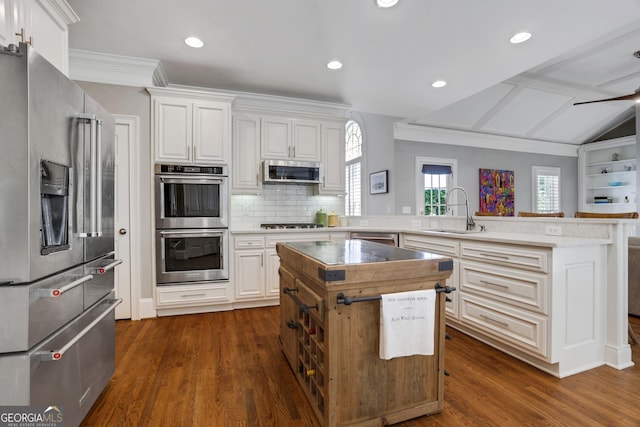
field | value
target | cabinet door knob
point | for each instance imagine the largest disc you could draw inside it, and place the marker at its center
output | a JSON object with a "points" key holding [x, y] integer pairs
{"points": [[122, 231]]}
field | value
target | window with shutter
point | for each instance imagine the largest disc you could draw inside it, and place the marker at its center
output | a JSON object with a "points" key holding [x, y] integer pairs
{"points": [[546, 189]]}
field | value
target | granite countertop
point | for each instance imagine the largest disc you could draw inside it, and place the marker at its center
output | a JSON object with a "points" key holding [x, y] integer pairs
{"points": [[343, 252], [540, 240]]}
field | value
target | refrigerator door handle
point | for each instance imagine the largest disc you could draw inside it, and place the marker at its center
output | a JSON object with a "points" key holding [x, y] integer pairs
{"points": [[54, 293], [95, 176], [54, 355], [106, 268], [98, 156]]}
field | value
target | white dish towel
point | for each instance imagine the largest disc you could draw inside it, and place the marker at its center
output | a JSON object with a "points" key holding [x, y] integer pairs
{"points": [[407, 321]]}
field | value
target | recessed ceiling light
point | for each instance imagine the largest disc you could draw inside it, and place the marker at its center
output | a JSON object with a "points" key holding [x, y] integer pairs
{"points": [[385, 3], [193, 42], [334, 65], [520, 37], [439, 83]]}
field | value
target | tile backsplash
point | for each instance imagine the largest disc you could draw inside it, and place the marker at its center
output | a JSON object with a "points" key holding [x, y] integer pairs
{"points": [[278, 203]]}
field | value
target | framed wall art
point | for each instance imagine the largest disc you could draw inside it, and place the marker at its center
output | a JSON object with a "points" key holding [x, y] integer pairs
{"points": [[378, 182], [496, 192]]}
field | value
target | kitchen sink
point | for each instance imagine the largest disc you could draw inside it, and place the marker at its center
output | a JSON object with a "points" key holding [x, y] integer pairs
{"points": [[454, 231]]}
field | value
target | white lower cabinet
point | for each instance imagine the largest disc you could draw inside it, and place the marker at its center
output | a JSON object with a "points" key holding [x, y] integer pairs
{"points": [[196, 298], [446, 247], [249, 268], [256, 264], [514, 327], [543, 305]]}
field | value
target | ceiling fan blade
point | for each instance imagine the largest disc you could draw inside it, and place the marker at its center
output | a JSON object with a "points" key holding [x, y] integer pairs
{"points": [[631, 96]]}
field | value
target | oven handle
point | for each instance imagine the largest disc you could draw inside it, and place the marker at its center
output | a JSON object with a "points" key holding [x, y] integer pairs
{"points": [[190, 233], [190, 180], [54, 293], [57, 354]]}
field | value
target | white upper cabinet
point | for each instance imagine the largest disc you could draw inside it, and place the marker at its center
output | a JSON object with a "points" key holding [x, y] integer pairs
{"points": [[211, 129], [275, 138], [245, 172], [306, 141], [6, 33], [190, 127], [332, 181], [41, 23], [293, 139]]}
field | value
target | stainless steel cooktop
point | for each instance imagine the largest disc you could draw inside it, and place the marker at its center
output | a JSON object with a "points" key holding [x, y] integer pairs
{"points": [[291, 225]]}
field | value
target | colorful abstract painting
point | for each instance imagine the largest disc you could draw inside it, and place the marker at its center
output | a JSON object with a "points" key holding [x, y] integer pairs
{"points": [[496, 192]]}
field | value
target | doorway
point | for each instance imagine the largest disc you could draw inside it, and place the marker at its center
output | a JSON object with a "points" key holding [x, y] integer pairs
{"points": [[125, 220]]}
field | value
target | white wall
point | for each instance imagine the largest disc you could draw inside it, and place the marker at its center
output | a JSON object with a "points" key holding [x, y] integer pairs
{"points": [[379, 153], [471, 159]]}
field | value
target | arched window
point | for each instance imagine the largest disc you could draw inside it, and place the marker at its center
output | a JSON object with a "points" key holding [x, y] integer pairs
{"points": [[353, 170]]}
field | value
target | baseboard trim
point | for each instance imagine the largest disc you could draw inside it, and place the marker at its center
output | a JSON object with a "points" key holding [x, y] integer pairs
{"points": [[147, 309]]}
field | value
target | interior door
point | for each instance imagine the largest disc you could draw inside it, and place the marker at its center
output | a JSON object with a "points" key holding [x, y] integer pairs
{"points": [[122, 218]]}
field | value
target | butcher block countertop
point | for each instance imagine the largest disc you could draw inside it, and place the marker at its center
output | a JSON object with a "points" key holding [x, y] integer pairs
{"points": [[330, 322]]}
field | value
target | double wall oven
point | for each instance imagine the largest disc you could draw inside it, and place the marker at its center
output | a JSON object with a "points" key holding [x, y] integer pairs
{"points": [[192, 236]]}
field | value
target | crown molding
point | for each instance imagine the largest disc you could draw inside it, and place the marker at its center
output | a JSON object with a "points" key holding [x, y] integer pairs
{"points": [[97, 67], [60, 10], [256, 102], [434, 135]]}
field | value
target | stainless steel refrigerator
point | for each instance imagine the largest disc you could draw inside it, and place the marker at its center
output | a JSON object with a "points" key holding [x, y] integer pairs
{"points": [[57, 324]]}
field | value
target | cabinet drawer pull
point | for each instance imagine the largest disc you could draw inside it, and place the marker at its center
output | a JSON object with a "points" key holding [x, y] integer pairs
{"points": [[192, 295], [505, 324], [494, 255], [485, 282]]}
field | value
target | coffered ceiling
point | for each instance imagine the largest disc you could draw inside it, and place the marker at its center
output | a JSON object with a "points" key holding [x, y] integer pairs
{"points": [[580, 50]]}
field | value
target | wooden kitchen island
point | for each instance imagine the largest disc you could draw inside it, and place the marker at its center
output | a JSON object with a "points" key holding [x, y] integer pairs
{"points": [[330, 322]]}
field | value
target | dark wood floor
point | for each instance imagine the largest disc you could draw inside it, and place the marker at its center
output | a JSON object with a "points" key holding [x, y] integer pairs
{"points": [[227, 369]]}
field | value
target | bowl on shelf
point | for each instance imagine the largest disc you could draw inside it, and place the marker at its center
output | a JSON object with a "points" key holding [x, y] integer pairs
{"points": [[615, 183]]}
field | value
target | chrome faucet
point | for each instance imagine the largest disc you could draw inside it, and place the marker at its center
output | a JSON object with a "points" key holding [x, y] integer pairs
{"points": [[470, 223]]}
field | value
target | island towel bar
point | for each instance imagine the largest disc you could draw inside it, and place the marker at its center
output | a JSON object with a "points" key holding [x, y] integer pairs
{"points": [[342, 299], [304, 307]]}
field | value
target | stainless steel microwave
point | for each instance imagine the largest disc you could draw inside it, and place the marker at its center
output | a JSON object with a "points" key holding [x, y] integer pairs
{"points": [[291, 172]]}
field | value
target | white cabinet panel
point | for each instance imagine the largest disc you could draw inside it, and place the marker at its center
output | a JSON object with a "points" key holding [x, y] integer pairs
{"points": [[272, 278], [245, 172], [508, 255], [249, 268], [275, 138], [6, 24], [306, 140], [446, 247], [211, 132], [41, 23], [333, 163], [192, 295], [525, 330], [172, 130], [511, 286]]}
